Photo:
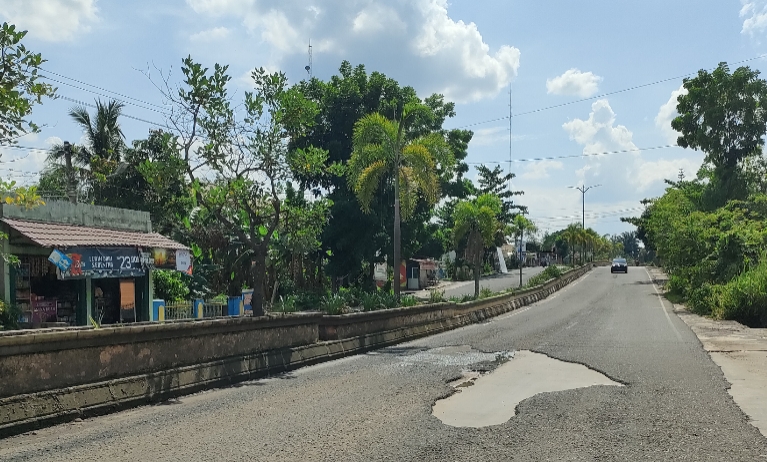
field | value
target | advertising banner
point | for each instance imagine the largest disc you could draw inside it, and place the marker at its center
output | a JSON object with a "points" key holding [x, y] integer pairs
{"points": [[103, 262], [61, 261]]}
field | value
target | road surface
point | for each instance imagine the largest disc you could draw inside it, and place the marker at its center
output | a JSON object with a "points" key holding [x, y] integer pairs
{"points": [[671, 402], [497, 283]]}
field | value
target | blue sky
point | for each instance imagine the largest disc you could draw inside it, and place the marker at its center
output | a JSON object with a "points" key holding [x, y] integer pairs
{"points": [[565, 53]]}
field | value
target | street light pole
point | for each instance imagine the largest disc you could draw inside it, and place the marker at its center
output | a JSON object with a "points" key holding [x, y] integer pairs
{"points": [[583, 190]]}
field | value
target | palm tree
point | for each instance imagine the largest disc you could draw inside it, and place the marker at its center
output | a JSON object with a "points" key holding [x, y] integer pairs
{"points": [[519, 226], [383, 153], [476, 220], [104, 136], [102, 150], [571, 236], [592, 240]]}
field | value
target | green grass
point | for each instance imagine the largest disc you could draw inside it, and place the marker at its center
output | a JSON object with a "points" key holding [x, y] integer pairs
{"points": [[674, 296]]}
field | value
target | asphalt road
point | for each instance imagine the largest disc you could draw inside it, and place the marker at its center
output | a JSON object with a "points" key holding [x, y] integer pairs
{"points": [[377, 407], [495, 283]]}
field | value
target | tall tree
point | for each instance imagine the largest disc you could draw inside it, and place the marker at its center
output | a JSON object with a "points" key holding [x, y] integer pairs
{"points": [[495, 181], [476, 221], [354, 239], [382, 152], [724, 115], [248, 156], [20, 85]]}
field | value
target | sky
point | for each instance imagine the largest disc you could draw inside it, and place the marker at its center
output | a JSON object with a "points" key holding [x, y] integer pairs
{"points": [[586, 77]]}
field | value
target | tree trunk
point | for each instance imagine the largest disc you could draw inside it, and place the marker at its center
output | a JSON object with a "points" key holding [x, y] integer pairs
{"points": [[521, 257], [259, 276], [477, 265], [396, 263]]}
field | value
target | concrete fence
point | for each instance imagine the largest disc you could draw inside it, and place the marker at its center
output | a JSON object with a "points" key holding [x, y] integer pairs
{"points": [[47, 377]]}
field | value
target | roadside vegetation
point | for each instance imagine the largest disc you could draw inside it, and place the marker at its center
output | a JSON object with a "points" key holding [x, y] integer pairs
{"points": [[709, 231], [288, 190]]}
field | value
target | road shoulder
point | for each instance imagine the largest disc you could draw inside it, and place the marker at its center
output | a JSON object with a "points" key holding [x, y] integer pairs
{"points": [[741, 353]]}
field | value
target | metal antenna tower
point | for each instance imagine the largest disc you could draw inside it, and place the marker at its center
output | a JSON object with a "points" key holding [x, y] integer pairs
{"points": [[511, 133], [310, 67]]}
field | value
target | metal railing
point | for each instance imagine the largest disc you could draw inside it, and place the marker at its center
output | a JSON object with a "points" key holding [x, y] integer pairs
{"points": [[180, 310]]}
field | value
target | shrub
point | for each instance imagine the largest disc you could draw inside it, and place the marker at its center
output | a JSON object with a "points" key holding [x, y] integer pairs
{"points": [[387, 299], [744, 298], [170, 286], [9, 316], [436, 296], [286, 305], [551, 272], [485, 293], [352, 296], [371, 302], [408, 300], [333, 304], [309, 301], [462, 299]]}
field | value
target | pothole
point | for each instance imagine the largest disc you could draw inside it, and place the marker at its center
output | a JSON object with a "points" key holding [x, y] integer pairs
{"points": [[462, 356], [485, 399]]}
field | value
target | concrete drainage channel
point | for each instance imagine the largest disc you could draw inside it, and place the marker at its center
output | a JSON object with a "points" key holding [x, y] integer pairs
{"points": [[489, 397]]}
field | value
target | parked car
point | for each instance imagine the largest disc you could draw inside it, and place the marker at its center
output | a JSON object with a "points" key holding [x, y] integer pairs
{"points": [[620, 265]]}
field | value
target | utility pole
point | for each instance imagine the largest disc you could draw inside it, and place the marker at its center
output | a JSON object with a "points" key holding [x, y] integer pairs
{"points": [[71, 191]]}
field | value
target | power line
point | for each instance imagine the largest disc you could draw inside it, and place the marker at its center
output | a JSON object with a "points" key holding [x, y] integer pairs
{"points": [[592, 214], [575, 156], [106, 96], [102, 89], [82, 103], [636, 87]]}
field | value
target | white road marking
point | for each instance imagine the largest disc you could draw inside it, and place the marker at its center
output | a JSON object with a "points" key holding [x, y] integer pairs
{"points": [[662, 306]]}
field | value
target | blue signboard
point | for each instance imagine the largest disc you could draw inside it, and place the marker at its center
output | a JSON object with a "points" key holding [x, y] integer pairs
{"points": [[59, 259]]}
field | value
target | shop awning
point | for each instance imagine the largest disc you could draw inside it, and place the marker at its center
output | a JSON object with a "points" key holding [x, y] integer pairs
{"points": [[66, 236]]}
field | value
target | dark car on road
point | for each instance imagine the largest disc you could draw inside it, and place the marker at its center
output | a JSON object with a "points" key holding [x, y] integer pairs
{"points": [[620, 265]]}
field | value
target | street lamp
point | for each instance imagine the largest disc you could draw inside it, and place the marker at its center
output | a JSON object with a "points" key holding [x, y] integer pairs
{"points": [[583, 190]]}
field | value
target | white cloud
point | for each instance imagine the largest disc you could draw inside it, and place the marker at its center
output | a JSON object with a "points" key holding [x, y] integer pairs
{"points": [[488, 136], [415, 41], [540, 170], [650, 172], [51, 20], [210, 35], [600, 134], [377, 18], [667, 113], [575, 83], [754, 14]]}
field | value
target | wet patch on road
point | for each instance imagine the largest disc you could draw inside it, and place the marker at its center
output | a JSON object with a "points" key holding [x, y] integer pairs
{"points": [[485, 398]]}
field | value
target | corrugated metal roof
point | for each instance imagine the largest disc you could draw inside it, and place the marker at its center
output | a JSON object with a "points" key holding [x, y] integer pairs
{"points": [[66, 236]]}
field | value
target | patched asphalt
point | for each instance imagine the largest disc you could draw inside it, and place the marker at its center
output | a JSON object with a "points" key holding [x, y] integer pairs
{"points": [[378, 406]]}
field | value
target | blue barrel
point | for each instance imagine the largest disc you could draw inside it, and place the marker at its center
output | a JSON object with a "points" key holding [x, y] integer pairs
{"points": [[158, 310], [235, 306], [198, 309]]}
